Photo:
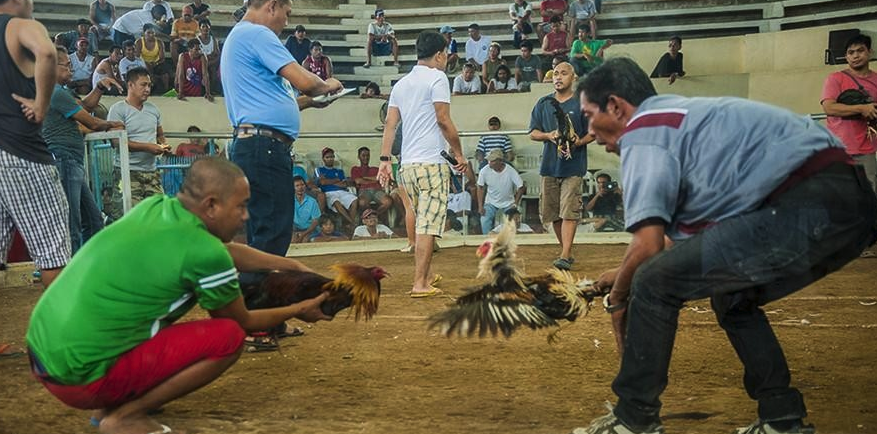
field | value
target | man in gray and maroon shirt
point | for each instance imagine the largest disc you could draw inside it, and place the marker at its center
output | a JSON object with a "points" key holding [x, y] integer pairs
{"points": [[759, 203]]}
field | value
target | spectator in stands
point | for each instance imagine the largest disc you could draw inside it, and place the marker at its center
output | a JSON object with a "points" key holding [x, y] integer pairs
{"points": [[462, 190], [83, 65], [555, 42], [167, 12], [151, 50], [605, 204], [549, 76], [108, 67], [200, 10], [102, 15], [61, 132], [502, 81], [514, 216], [60, 40], [489, 142], [145, 140], [560, 203], [298, 44], [192, 77], [83, 31], [550, 9], [372, 90], [194, 147], [317, 62], [381, 40], [453, 56], [313, 190], [492, 63], [520, 12], [370, 229], [467, 83], [327, 232], [500, 188], [368, 189], [583, 13], [307, 212], [477, 46], [334, 185], [453, 225], [130, 26], [587, 53], [130, 61], [182, 31], [528, 68], [670, 64], [210, 48]]}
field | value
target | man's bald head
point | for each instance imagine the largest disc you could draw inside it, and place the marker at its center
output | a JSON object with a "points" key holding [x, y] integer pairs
{"points": [[564, 77], [211, 176]]}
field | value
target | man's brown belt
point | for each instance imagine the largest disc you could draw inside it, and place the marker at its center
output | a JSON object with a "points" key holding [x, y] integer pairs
{"points": [[244, 131]]}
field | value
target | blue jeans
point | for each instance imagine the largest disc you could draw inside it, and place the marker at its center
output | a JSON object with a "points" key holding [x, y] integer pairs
{"points": [[741, 264], [85, 219], [489, 217]]}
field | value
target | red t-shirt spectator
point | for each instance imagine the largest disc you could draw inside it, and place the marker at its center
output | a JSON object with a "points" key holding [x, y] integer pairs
{"points": [[851, 131], [193, 76], [556, 41], [189, 150], [552, 4], [368, 172]]}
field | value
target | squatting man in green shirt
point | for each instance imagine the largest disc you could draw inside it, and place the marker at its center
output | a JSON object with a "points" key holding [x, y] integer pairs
{"points": [[103, 337]]}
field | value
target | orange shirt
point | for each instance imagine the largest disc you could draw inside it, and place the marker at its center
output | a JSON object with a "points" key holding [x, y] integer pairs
{"points": [[185, 30]]}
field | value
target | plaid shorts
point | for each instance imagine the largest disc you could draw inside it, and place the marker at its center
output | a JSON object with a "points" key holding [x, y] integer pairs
{"points": [[427, 186], [32, 200]]}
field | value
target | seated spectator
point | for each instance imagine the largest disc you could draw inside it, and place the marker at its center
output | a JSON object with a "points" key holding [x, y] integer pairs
{"points": [[130, 61], [192, 76], [587, 53], [60, 41], [313, 190], [370, 229], [555, 43], [102, 15], [210, 48], [151, 50], [583, 13], [167, 12], [131, 25], [549, 76], [489, 142], [83, 31], [670, 64], [372, 90], [182, 31], [520, 12], [467, 83], [605, 205], [327, 232], [500, 187], [306, 213], [550, 9], [453, 225], [298, 44], [477, 46], [317, 62], [334, 185], [195, 147], [453, 56], [528, 68], [82, 63], [492, 63], [462, 189], [200, 10], [514, 216], [381, 40], [368, 188], [502, 81], [108, 67]]}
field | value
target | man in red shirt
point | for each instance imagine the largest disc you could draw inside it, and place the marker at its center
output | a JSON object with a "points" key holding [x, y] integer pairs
{"points": [[367, 185], [555, 42], [550, 9]]}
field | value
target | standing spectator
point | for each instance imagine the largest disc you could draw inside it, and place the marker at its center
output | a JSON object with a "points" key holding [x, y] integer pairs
{"points": [[146, 140], [298, 44], [550, 9], [368, 188], [83, 31], [528, 68], [513, 216], [167, 12], [492, 63], [555, 42], [83, 65], [195, 147], [520, 12], [549, 76], [422, 99], [583, 13], [502, 81], [131, 25], [61, 132], [130, 61], [370, 229], [151, 50], [670, 64], [453, 51], [381, 40], [476, 46], [32, 195], [210, 49], [317, 62], [560, 203], [307, 212], [192, 76], [500, 188], [200, 10], [587, 53], [102, 15], [334, 184], [489, 142], [467, 83], [182, 31], [108, 67]]}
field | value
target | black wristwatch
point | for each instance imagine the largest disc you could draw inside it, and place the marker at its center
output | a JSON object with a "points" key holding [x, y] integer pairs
{"points": [[385, 158], [613, 307]]}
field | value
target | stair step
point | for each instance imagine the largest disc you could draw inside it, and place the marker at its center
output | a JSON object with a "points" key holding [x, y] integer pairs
{"points": [[375, 69]]}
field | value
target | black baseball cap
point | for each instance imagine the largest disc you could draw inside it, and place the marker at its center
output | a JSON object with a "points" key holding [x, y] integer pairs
{"points": [[300, 28]]}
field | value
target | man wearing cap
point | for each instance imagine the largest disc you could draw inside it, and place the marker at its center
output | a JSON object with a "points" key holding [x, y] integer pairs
{"points": [[181, 31], [72, 37], [334, 184], [82, 63], [500, 188], [370, 229], [453, 57], [298, 44], [477, 46], [381, 40], [130, 26]]}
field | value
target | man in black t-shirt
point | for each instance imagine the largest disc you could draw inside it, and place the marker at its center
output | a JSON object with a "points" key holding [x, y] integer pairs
{"points": [[298, 44]]}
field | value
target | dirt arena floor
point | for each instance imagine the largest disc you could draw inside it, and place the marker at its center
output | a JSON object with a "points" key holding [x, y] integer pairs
{"points": [[392, 376]]}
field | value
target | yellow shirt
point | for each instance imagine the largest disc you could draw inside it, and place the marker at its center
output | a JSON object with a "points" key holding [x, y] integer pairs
{"points": [[150, 56], [184, 30]]}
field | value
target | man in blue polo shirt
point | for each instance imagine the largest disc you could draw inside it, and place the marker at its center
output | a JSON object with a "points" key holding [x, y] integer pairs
{"points": [[307, 212], [759, 202]]}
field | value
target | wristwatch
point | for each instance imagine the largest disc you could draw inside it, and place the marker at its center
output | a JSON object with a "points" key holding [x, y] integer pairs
{"points": [[613, 307], [385, 158]]}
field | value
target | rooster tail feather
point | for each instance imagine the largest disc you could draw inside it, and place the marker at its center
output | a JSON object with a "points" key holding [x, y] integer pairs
{"points": [[565, 287], [363, 288]]}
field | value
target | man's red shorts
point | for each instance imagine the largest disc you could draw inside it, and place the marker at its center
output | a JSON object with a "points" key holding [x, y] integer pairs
{"points": [[151, 363]]}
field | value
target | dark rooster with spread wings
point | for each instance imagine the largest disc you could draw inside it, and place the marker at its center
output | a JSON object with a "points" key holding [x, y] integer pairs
{"points": [[511, 300], [566, 133], [354, 285]]}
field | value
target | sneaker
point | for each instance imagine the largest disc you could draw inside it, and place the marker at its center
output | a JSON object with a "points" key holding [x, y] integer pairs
{"points": [[761, 427], [610, 424]]}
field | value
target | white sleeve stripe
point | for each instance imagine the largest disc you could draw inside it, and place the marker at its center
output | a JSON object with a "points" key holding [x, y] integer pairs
{"points": [[218, 276], [216, 283]]}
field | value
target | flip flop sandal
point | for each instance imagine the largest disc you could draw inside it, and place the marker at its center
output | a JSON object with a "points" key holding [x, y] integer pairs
{"points": [[436, 278], [562, 264], [868, 254], [6, 352], [261, 342], [296, 331], [433, 291]]}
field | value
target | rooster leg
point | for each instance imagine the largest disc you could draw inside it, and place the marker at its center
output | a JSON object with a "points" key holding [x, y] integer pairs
{"points": [[554, 337]]}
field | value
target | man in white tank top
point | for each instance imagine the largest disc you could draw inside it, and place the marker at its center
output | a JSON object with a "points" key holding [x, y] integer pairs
{"points": [[83, 65]]}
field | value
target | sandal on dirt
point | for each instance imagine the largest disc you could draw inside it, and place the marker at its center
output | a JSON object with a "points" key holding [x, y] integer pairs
{"points": [[436, 278], [290, 332], [6, 351], [868, 254], [562, 264], [259, 342], [433, 291]]}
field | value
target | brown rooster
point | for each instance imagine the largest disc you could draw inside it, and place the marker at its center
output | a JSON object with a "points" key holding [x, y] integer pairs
{"points": [[354, 285], [509, 299]]}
